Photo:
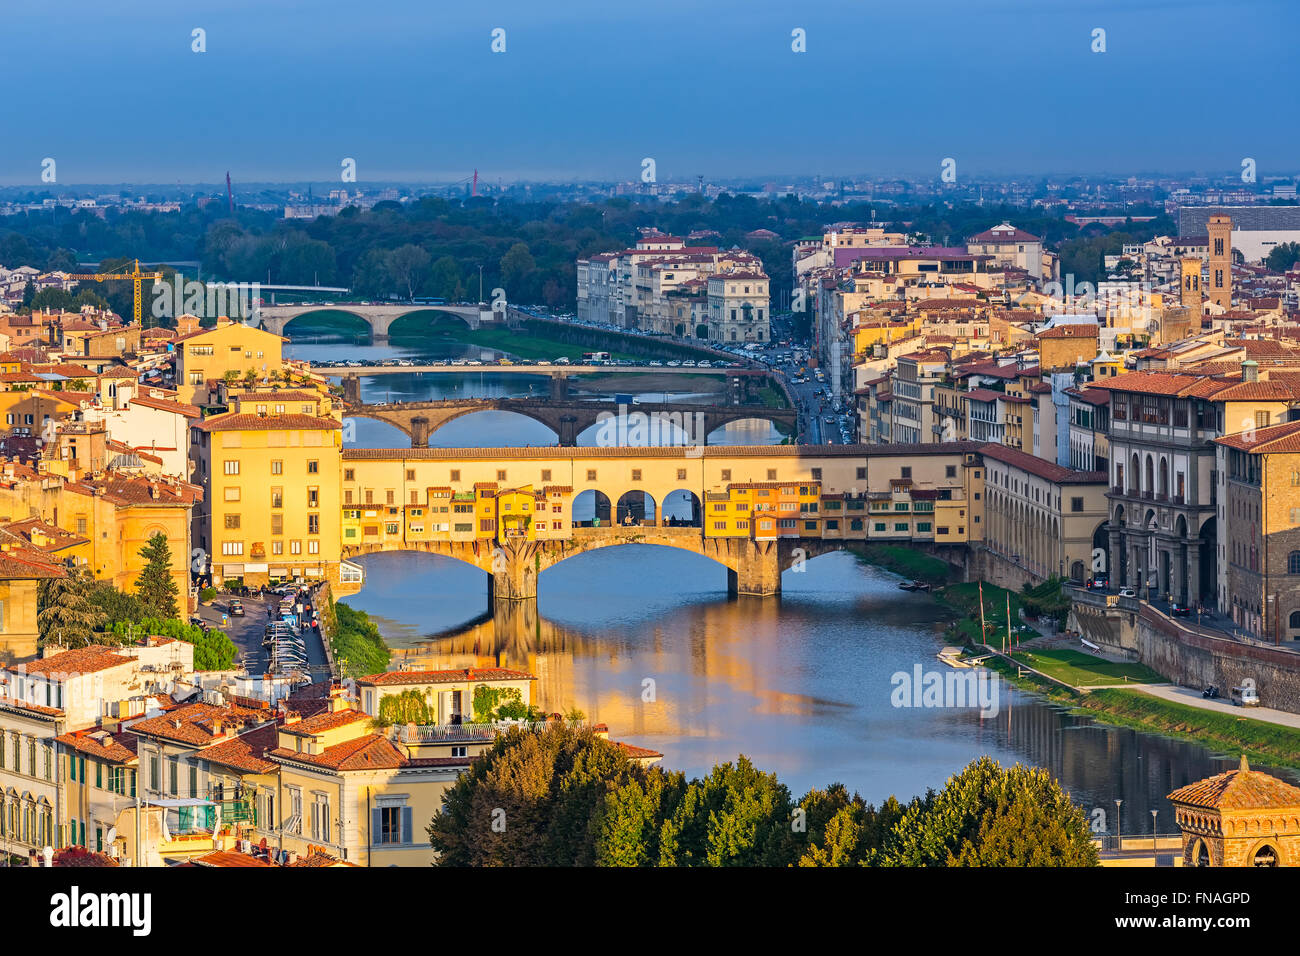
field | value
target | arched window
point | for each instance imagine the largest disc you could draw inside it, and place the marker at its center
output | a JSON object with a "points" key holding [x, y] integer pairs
{"points": [[1295, 619], [1293, 563]]}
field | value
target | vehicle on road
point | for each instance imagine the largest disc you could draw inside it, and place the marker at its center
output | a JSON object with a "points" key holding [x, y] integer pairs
{"points": [[236, 608], [1245, 696], [1127, 593], [1210, 693], [1179, 610]]}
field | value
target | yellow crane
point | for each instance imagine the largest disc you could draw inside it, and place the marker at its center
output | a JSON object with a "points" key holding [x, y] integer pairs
{"points": [[136, 276]]}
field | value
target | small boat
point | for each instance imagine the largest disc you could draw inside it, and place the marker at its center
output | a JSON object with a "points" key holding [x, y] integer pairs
{"points": [[908, 586], [952, 657]]}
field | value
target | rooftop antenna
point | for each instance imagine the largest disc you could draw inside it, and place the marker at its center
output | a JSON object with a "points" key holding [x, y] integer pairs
{"points": [[474, 188]]}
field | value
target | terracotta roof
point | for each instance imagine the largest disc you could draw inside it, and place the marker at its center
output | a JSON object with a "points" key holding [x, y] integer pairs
{"points": [[370, 752], [81, 660], [196, 723], [244, 421], [328, 720], [101, 745], [1048, 470], [245, 752], [1272, 439], [445, 676], [1240, 789], [163, 405]]}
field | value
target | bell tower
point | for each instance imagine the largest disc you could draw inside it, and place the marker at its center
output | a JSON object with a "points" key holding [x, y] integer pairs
{"points": [[1220, 279]]}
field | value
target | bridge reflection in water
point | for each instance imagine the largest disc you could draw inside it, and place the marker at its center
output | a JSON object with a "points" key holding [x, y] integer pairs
{"points": [[799, 683]]}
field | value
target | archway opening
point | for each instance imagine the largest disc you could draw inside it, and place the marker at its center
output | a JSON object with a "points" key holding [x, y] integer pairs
{"points": [[681, 509], [493, 428], [327, 326], [591, 509], [636, 508], [1266, 856]]}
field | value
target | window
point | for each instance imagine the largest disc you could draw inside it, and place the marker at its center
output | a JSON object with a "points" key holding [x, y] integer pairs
{"points": [[232, 548], [313, 498], [591, 474], [277, 467], [636, 474], [546, 474], [817, 474], [681, 474], [455, 474], [277, 497], [906, 471], [388, 824], [950, 471], [1076, 504], [313, 524], [726, 474], [862, 474], [232, 522], [231, 467], [232, 494], [1293, 563], [320, 817], [313, 467]]}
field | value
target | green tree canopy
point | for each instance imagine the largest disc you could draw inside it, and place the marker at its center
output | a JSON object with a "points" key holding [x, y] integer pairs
{"points": [[66, 615], [155, 586]]}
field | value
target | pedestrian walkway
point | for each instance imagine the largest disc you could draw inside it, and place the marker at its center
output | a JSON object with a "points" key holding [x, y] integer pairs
{"points": [[1193, 698]]}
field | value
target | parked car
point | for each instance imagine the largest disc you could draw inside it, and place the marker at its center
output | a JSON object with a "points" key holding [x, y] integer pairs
{"points": [[1245, 696], [1210, 693], [1127, 592], [237, 608]]}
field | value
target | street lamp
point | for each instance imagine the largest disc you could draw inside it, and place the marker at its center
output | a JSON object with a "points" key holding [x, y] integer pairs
{"points": [[1153, 830], [1118, 835]]}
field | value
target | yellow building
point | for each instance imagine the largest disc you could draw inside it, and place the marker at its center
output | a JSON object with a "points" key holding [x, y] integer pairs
{"points": [[232, 349], [272, 484]]}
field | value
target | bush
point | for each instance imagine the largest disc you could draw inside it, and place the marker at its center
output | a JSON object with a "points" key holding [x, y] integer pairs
{"points": [[213, 650], [208, 595], [359, 648]]}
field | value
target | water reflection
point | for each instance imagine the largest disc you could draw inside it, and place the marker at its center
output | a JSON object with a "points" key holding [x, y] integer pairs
{"points": [[801, 684]]}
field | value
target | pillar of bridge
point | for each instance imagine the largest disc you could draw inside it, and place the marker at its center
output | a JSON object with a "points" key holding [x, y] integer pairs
{"points": [[754, 567], [515, 567], [568, 430], [559, 386], [419, 432], [352, 389]]}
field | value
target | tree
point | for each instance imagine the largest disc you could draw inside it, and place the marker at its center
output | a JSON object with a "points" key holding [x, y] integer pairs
{"points": [[29, 295], [445, 280], [517, 267], [1283, 256], [408, 265], [66, 615], [531, 800], [736, 816], [213, 648], [990, 816], [155, 586]]}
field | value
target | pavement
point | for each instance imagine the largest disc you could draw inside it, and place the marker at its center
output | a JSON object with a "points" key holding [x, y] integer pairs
{"points": [[246, 632], [1192, 698]]}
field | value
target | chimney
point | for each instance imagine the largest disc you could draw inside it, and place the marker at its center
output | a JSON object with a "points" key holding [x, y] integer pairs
{"points": [[1250, 371], [216, 727]]}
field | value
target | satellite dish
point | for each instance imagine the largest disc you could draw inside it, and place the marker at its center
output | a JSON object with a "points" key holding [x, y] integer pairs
{"points": [[112, 835]]}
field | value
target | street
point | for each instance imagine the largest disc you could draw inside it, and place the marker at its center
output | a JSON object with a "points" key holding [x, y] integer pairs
{"points": [[246, 632]]}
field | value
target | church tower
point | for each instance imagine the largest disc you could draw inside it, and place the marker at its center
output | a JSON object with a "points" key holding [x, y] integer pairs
{"points": [[1220, 281]]}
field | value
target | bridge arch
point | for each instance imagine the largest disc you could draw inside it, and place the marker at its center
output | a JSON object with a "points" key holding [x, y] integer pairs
{"points": [[590, 506], [636, 507], [681, 507], [360, 324]]}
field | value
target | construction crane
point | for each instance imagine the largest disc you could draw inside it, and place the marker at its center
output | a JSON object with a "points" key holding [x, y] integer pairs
{"points": [[136, 276]]}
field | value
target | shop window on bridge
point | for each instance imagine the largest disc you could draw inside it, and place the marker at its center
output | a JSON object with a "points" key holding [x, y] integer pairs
{"points": [[832, 525], [855, 524], [923, 527], [810, 525], [879, 526]]}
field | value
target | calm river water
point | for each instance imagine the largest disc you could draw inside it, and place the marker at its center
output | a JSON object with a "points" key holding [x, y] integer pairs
{"points": [[801, 684]]}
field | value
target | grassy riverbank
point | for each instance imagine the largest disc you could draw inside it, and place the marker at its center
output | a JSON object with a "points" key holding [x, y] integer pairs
{"points": [[1216, 731], [359, 648]]}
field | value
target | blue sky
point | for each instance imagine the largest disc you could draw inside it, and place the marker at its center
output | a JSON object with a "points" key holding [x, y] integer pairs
{"points": [[586, 89]]}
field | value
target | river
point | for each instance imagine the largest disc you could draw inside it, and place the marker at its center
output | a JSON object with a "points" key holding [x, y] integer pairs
{"points": [[646, 640]]}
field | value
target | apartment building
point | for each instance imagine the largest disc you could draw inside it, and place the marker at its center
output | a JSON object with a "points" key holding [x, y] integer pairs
{"points": [[272, 486], [738, 307], [229, 350]]}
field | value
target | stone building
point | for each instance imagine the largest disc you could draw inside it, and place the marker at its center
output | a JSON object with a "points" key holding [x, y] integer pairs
{"points": [[1239, 818], [1260, 566]]}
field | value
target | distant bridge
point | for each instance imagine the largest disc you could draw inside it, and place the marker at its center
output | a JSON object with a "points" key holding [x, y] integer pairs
{"points": [[568, 419], [275, 318]]}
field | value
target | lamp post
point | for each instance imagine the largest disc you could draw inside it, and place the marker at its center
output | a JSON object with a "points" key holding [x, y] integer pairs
{"points": [[1153, 830], [1118, 835]]}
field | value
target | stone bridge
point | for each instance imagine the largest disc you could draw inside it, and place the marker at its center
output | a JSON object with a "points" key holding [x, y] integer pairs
{"points": [[569, 419], [754, 567], [275, 318]]}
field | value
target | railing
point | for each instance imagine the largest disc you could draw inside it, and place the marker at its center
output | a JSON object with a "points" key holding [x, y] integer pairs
{"points": [[434, 733]]}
